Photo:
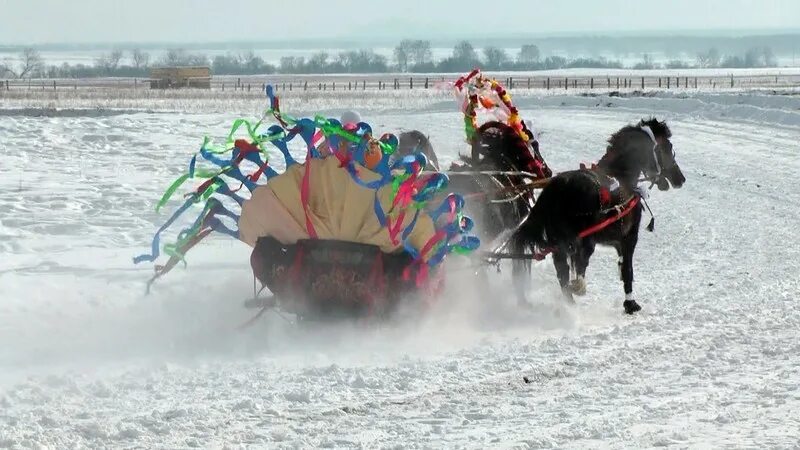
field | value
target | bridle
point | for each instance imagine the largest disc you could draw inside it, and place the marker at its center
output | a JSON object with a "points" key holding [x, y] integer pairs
{"points": [[660, 168]]}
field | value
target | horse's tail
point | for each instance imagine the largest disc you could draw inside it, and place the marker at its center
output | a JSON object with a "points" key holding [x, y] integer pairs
{"points": [[531, 233]]}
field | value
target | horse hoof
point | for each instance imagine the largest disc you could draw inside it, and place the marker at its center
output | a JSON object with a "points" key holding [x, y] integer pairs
{"points": [[567, 291], [578, 286], [631, 306]]}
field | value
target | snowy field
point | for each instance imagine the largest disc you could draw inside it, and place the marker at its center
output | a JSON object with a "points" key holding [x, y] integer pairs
{"points": [[86, 360]]}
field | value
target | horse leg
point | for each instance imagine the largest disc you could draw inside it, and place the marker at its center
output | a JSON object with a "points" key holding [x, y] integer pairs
{"points": [[520, 276], [627, 248], [582, 256], [562, 271]]}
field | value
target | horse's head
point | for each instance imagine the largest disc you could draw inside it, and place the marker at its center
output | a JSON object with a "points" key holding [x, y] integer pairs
{"points": [[643, 149], [664, 168], [415, 141]]}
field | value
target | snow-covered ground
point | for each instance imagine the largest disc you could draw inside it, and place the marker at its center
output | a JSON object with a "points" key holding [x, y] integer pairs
{"points": [[86, 360]]}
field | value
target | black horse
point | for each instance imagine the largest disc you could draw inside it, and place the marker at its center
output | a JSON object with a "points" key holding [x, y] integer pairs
{"points": [[499, 197], [602, 205]]}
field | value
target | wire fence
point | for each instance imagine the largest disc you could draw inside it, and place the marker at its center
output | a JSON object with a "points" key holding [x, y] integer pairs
{"points": [[256, 84]]}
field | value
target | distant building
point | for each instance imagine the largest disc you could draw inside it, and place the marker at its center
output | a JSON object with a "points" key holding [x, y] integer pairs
{"points": [[178, 77]]}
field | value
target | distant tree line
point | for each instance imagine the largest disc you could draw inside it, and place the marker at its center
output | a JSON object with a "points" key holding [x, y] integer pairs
{"points": [[408, 56]]}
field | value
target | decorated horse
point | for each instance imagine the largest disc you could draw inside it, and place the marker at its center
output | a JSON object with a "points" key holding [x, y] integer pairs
{"points": [[575, 210], [602, 204], [350, 230]]}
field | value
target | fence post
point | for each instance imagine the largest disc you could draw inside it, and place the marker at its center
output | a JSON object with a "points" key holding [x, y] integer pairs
{"points": [[695, 82], [642, 83], [54, 85], [529, 83], [363, 85], [731, 80], [566, 83], [591, 83], [334, 85], [426, 82], [223, 86], [6, 84], [511, 82], [668, 81], [349, 85], [290, 85], [617, 82], [411, 82], [548, 83]]}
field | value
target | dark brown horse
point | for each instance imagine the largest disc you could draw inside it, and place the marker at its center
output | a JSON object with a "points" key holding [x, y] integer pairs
{"points": [[581, 208]]}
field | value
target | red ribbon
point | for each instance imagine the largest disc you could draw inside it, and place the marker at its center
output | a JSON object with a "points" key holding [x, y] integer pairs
{"points": [[305, 188]]}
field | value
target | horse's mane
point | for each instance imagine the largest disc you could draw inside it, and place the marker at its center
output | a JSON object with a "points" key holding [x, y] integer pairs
{"points": [[659, 129]]}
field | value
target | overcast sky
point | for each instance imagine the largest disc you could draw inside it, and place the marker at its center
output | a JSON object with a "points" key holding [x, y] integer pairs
{"points": [[110, 21]]}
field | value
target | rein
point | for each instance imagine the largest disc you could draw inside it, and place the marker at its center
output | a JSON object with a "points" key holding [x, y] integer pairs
{"points": [[622, 211]]}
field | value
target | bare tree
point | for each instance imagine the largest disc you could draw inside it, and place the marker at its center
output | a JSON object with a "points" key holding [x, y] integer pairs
{"points": [[465, 52], [31, 63], [175, 57], [402, 55], [421, 52], [114, 58], [140, 58], [709, 58], [528, 54], [108, 63], [6, 68], [495, 58], [318, 62]]}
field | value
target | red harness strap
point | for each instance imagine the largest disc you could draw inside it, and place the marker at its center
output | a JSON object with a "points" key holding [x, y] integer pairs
{"points": [[626, 210]]}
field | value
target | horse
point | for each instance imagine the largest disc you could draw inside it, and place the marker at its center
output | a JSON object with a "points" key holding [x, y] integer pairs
{"points": [[578, 209], [415, 141], [497, 180]]}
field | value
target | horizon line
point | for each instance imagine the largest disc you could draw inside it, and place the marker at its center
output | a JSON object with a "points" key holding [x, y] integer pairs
{"points": [[352, 39]]}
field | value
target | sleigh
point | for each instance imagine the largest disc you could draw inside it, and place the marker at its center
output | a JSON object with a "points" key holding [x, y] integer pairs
{"points": [[330, 279], [347, 232]]}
